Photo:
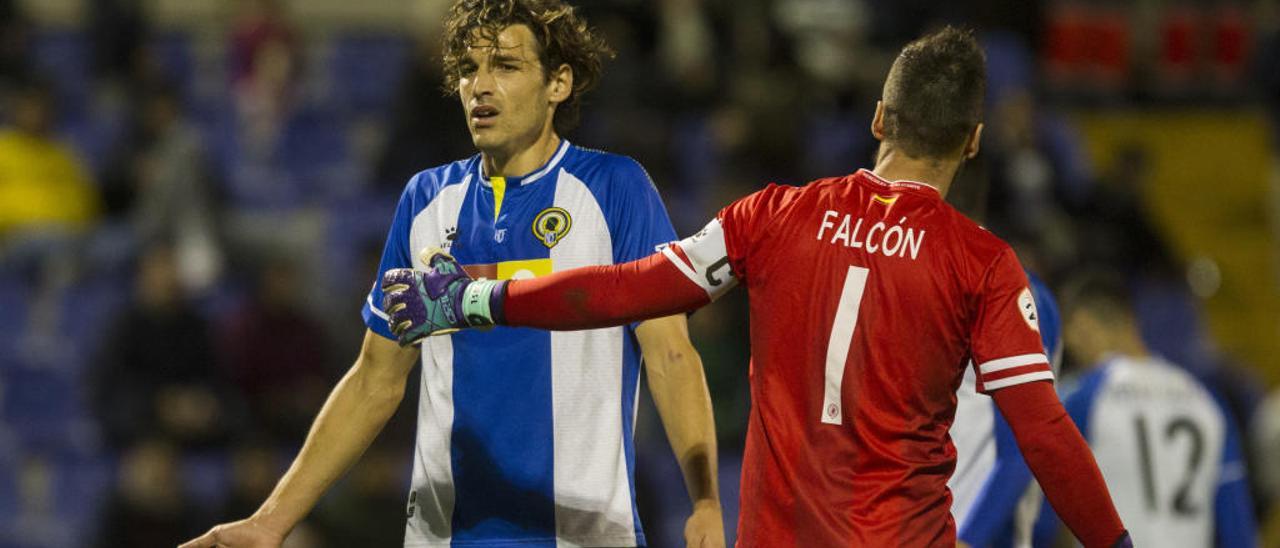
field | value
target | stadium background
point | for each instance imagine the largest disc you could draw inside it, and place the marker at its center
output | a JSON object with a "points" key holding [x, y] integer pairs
{"points": [[181, 278]]}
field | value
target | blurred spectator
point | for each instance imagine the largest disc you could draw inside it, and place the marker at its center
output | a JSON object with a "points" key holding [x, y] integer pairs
{"points": [[265, 65], [13, 45], [1036, 173], [357, 513], [118, 30], [160, 180], [424, 124], [35, 522], [254, 469], [260, 26], [1116, 226], [276, 353], [1267, 63], [43, 184], [155, 374], [1265, 438], [149, 506], [46, 203]]}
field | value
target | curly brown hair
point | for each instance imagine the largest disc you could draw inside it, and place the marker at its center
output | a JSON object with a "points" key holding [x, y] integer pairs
{"points": [[564, 38]]}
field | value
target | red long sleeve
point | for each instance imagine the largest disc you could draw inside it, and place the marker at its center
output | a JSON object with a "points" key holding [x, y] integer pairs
{"points": [[1061, 461], [602, 296]]}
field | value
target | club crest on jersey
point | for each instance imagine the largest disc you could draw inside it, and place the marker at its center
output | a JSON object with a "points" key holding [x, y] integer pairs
{"points": [[551, 225], [1027, 307]]}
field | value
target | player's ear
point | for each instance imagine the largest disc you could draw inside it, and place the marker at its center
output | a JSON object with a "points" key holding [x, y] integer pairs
{"points": [[560, 84], [877, 122], [974, 144]]}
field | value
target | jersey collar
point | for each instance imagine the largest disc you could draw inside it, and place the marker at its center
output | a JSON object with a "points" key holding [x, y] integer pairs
{"points": [[531, 177], [898, 185]]}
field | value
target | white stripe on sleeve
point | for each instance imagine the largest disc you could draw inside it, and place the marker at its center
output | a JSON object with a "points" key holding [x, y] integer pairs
{"points": [[1017, 379], [376, 311], [1011, 362]]}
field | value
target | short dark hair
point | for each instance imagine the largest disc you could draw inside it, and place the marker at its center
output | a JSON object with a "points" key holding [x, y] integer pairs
{"points": [[934, 92], [1098, 290], [564, 38]]}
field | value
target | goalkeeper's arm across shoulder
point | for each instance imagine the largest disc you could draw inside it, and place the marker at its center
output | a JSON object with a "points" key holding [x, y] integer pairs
{"points": [[444, 299]]}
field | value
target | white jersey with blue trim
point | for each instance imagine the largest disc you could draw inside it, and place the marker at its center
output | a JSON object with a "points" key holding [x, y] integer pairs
{"points": [[525, 436], [1160, 438]]}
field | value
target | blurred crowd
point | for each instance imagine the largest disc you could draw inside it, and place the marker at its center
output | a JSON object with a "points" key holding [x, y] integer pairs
{"points": [[187, 230]]}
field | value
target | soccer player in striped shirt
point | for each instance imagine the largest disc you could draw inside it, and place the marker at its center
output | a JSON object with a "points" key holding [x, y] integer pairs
{"points": [[524, 436], [869, 295]]}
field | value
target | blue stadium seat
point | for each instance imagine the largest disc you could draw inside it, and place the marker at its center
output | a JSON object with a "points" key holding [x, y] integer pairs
{"points": [[44, 409], [172, 51], [365, 70], [63, 56], [87, 310], [207, 477], [13, 322], [354, 224]]}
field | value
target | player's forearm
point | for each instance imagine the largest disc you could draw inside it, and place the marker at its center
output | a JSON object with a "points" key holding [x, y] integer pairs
{"points": [[601, 296], [1061, 461], [679, 390], [355, 412]]}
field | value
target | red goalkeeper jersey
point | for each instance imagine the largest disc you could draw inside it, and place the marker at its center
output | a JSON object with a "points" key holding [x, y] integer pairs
{"points": [[868, 300]]}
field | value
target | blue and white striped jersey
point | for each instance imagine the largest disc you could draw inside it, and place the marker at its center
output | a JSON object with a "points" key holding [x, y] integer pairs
{"points": [[525, 436]]}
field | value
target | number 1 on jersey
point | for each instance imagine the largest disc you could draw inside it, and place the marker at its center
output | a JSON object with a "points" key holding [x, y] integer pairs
{"points": [[855, 282]]}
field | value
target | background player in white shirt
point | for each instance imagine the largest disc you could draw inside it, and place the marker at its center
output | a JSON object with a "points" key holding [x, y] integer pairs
{"points": [[1170, 454]]}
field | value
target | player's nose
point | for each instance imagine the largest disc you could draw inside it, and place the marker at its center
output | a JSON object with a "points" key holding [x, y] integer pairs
{"points": [[484, 83]]}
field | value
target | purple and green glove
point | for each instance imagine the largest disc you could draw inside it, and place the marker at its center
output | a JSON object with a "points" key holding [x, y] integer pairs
{"points": [[441, 300]]}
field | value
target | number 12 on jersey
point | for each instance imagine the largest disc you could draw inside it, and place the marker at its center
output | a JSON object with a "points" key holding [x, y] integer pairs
{"points": [[855, 282]]}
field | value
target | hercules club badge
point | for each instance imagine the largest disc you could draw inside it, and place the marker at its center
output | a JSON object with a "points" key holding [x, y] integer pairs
{"points": [[551, 225]]}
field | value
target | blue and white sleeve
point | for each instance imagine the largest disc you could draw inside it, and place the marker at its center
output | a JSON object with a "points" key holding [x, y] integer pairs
{"points": [[1079, 406], [638, 220], [395, 254], [994, 508], [1232, 504]]}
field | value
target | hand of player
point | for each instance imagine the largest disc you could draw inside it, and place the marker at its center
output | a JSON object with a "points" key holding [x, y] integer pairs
{"points": [[245, 533], [434, 302], [705, 528]]}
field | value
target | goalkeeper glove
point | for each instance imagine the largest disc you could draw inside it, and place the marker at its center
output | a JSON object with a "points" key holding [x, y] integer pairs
{"points": [[440, 300]]}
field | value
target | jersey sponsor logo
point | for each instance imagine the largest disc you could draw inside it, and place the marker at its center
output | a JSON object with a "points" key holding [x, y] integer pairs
{"points": [[551, 225], [510, 270], [1027, 307], [890, 240]]}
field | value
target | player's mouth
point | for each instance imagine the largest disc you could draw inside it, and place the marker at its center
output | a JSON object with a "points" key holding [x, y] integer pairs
{"points": [[483, 116]]}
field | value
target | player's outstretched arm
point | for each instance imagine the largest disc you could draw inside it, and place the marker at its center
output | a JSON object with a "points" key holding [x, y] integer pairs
{"points": [[355, 412], [679, 388], [444, 299], [1061, 461]]}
